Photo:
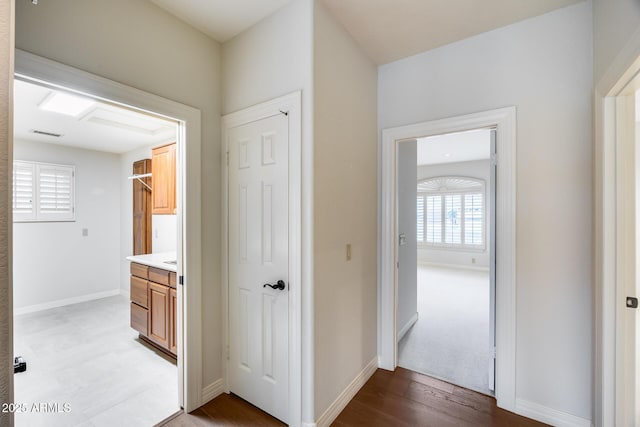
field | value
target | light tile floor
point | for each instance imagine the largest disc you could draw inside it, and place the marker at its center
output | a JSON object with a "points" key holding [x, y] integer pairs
{"points": [[87, 356]]}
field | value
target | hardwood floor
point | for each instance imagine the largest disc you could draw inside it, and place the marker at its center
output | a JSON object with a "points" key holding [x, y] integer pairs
{"points": [[225, 410], [406, 398], [401, 398]]}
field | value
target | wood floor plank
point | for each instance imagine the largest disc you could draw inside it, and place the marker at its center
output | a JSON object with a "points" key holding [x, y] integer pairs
{"points": [[389, 399]]}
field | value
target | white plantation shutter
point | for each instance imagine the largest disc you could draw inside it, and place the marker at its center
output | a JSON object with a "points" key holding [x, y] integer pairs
{"points": [[50, 189], [23, 191], [473, 219], [420, 218], [434, 219], [55, 192], [453, 219], [451, 212]]}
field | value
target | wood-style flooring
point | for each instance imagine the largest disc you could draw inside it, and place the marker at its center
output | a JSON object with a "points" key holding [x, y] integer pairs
{"points": [[401, 398]]}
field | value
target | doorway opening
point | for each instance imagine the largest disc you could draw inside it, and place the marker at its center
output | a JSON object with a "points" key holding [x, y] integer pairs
{"points": [[185, 123], [504, 123], [446, 258], [83, 317]]}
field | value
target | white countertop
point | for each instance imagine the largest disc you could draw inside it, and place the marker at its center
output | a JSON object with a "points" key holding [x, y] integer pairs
{"points": [[156, 260]]}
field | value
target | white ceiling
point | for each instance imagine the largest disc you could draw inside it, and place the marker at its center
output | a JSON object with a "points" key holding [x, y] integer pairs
{"points": [[387, 30], [455, 147], [221, 19], [103, 127]]}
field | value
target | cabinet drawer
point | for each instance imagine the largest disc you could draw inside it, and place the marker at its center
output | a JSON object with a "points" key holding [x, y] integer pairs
{"points": [[139, 291], [139, 270], [172, 279], [140, 319], [159, 275]]}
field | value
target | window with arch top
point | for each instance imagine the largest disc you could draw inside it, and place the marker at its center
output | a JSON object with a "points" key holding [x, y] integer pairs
{"points": [[451, 212]]}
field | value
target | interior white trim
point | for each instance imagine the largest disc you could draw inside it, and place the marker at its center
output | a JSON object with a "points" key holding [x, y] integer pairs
{"points": [[407, 326], [213, 390], [292, 104], [347, 394], [504, 120], [549, 415], [623, 68], [67, 301], [53, 74]]}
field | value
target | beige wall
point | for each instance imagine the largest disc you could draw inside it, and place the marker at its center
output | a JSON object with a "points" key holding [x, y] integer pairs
{"points": [[543, 66], [6, 137], [614, 23], [345, 200], [138, 44]]}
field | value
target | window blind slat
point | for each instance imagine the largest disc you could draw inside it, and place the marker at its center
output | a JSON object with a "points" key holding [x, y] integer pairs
{"points": [[43, 192]]}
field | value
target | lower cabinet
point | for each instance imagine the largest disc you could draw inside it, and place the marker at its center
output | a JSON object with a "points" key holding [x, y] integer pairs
{"points": [[154, 306], [173, 321], [159, 314]]}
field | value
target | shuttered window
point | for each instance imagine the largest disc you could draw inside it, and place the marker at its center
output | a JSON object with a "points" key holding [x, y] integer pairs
{"points": [[23, 191], [451, 212], [43, 192]]}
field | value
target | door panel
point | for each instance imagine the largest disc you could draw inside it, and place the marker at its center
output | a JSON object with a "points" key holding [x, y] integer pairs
{"points": [[258, 255], [159, 314]]}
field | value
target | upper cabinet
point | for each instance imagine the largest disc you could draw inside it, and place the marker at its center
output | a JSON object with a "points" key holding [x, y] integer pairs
{"points": [[164, 180]]}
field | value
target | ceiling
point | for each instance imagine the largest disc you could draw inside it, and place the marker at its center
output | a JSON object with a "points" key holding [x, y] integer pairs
{"points": [[387, 30], [221, 19], [455, 147], [102, 127]]}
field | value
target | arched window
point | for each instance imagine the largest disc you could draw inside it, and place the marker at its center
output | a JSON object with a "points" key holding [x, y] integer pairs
{"points": [[451, 212]]}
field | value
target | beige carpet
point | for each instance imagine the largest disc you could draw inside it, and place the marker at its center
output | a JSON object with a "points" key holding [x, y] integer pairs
{"points": [[450, 340]]}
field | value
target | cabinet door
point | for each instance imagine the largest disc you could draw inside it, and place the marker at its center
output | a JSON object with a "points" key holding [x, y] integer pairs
{"points": [[173, 321], [164, 179], [141, 209], [159, 314]]}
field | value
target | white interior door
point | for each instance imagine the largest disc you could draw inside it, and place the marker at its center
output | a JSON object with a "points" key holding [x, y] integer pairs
{"points": [[259, 255], [491, 208]]}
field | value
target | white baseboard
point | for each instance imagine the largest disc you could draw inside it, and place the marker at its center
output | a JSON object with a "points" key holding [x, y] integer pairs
{"points": [[407, 326], [125, 293], [548, 415], [308, 425], [212, 391], [63, 302], [460, 266], [347, 394]]}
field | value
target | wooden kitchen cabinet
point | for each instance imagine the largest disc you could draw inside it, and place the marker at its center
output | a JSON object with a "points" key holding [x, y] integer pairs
{"points": [[173, 321], [159, 314], [141, 209], [154, 306], [163, 160]]}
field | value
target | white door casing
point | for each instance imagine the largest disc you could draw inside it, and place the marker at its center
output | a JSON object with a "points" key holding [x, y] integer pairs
{"points": [[259, 255], [491, 209], [504, 120], [627, 260], [56, 75]]}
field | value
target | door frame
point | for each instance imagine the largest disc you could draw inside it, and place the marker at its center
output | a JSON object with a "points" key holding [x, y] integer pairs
{"points": [[291, 105], [610, 269], [504, 120], [37, 69]]}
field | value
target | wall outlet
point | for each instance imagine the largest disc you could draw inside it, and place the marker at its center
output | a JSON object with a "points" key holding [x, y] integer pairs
{"points": [[348, 251], [85, 232], [473, 260]]}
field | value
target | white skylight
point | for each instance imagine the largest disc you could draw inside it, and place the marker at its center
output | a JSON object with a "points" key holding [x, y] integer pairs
{"points": [[65, 103]]}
